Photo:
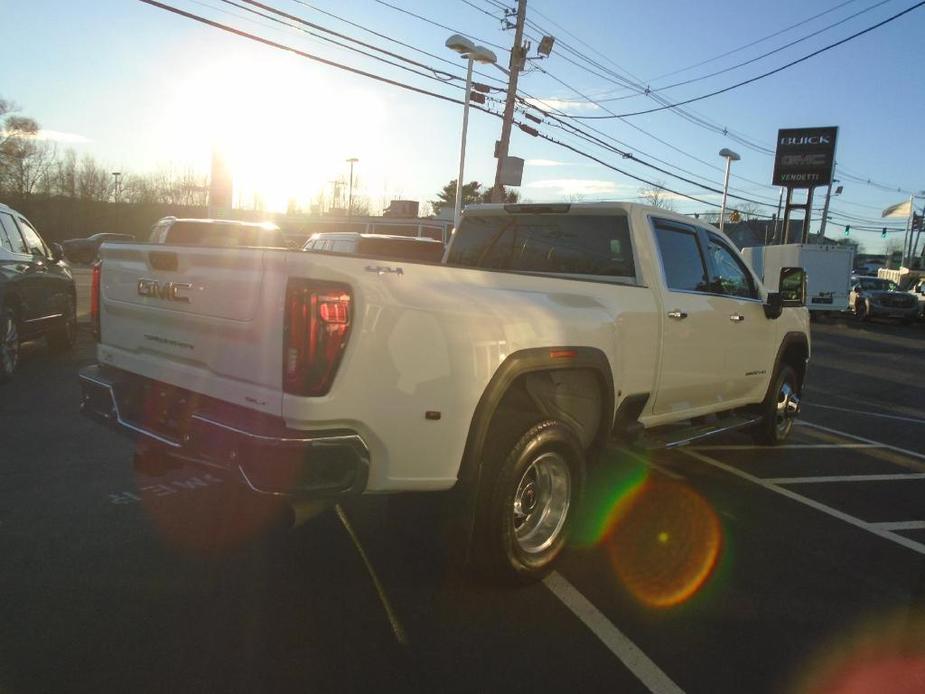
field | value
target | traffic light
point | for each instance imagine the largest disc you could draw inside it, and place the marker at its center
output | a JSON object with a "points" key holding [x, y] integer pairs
{"points": [[883, 233], [847, 229]]}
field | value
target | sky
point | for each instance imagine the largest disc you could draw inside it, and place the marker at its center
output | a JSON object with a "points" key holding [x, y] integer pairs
{"points": [[141, 89]]}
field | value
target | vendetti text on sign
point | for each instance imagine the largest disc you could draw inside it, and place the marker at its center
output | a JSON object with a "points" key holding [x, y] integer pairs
{"points": [[805, 157]]}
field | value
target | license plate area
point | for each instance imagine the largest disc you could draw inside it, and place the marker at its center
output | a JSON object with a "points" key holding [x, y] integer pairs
{"points": [[156, 407]]}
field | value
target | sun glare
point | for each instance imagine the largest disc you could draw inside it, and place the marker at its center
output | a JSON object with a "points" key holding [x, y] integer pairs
{"points": [[284, 129]]}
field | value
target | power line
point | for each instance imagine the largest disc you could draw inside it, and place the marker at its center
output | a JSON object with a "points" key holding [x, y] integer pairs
{"points": [[293, 18], [750, 44], [756, 58], [482, 10], [419, 90], [761, 76], [391, 38], [442, 26], [303, 54]]}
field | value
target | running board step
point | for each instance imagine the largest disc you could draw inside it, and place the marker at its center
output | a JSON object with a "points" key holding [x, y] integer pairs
{"points": [[672, 438]]}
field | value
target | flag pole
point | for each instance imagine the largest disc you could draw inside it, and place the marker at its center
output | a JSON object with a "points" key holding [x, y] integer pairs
{"points": [[907, 251]]}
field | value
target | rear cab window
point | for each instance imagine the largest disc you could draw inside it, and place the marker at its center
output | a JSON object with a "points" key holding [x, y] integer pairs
{"points": [[570, 245]]}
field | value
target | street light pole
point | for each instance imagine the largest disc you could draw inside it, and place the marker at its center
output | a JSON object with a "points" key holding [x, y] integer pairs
{"points": [[730, 157], [472, 53], [457, 210], [351, 161], [116, 180]]}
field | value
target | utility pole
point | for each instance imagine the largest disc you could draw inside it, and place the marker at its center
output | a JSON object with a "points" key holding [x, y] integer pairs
{"points": [[351, 161], [518, 54], [825, 208]]}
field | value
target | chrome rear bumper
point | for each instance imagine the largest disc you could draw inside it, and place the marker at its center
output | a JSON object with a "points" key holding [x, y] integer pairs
{"points": [[269, 457]]}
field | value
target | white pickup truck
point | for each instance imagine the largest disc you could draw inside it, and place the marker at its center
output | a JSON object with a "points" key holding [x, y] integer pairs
{"points": [[546, 332]]}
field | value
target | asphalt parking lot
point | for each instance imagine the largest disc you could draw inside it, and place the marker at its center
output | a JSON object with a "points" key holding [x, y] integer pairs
{"points": [[718, 568]]}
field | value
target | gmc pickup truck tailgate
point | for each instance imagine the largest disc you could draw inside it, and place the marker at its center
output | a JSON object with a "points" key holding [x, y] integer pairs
{"points": [[196, 318]]}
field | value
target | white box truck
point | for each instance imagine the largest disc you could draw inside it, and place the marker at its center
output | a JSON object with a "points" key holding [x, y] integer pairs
{"points": [[828, 271]]}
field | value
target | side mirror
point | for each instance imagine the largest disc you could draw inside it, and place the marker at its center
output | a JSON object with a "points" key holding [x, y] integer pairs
{"points": [[774, 306], [57, 252], [792, 286]]}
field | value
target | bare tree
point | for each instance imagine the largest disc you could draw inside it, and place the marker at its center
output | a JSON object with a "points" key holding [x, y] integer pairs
{"points": [[93, 180], [656, 195], [24, 159]]}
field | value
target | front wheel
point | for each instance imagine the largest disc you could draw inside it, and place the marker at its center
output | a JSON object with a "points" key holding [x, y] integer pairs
{"points": [[9, 343], [526, 503], [64, 336], [779, 409]]}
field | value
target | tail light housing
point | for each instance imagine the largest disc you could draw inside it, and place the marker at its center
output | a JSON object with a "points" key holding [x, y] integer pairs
{"points": [[316, 329], [96, 273]]}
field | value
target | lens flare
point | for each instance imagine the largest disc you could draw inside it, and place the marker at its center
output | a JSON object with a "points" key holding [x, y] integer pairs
{"points": [[885, 655], [664, 542]]}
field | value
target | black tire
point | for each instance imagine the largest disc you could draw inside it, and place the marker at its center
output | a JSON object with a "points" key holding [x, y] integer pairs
{"points": [[545, 471], [9, 343], [775, 425], [63, 337]]}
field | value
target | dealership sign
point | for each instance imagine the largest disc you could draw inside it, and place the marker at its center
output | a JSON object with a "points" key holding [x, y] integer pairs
{"points": [[805, 157]]}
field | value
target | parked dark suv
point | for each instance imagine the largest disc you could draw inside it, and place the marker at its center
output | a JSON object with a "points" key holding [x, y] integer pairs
{"points": [[37, 292]]}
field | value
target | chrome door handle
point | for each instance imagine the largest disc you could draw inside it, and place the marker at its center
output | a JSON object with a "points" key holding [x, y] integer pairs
{"points": [[737, 317], [677, 315]]}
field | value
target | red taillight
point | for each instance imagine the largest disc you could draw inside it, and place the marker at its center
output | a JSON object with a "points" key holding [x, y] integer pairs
{"points": [[95, 298], [316, 330]]}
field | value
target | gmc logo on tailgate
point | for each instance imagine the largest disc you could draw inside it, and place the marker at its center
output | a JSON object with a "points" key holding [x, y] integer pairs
{"points": [[168, 291]]}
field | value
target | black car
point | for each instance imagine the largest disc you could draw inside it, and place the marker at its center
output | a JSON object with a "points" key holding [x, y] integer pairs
{"points": [[38, 297], [87, 250]]}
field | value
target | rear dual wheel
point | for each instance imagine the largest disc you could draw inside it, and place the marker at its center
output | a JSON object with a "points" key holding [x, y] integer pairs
{"points": [[527, 499]]}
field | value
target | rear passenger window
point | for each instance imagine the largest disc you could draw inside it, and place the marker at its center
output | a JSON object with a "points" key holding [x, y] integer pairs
{"points": [[682, 260], [562, 244]]}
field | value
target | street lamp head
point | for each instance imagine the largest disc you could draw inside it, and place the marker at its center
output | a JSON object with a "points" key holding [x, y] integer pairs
{"points": [[729, 154], [483, 55], [460, 44]]}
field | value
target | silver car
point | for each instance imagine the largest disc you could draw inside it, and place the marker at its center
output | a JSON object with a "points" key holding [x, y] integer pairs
{"points": [[877, 297]]}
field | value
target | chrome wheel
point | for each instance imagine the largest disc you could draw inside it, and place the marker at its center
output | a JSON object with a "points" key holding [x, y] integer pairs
{"points": [[788, 406], [9, 346], [541, 502]]}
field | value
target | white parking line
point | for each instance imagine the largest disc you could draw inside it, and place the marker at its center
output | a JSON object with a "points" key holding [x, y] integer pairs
{"points": [[806, 501], [753, 447], [846, 478], [615, 640], [866, 413], [900, 525], [397, 628], [878, 444]]}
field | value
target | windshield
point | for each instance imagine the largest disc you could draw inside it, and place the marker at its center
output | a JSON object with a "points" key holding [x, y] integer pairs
{"points": [[218, 234], [877, 284]]}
